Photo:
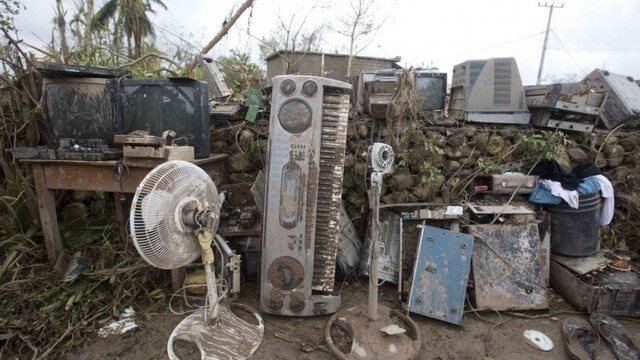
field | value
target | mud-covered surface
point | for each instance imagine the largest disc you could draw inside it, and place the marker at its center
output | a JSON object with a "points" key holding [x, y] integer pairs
{"points": [[498, 335]]}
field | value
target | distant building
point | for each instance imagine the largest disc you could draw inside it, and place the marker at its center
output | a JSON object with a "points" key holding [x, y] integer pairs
{"points": [[332, 66]]}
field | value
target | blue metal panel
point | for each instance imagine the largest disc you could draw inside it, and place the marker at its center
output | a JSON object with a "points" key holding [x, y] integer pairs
{"points": [[440, 274]]}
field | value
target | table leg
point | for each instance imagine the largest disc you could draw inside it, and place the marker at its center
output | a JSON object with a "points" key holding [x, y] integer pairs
{"points": [[122, 214], [48, 216]]}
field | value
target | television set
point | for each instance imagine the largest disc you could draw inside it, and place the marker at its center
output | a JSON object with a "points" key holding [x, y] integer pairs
{"points": [[431, 89], [178, 104], [375, 89], [80, 104]]}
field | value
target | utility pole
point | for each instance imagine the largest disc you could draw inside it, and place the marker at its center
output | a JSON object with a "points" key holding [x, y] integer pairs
{"points": [[546, 37]]}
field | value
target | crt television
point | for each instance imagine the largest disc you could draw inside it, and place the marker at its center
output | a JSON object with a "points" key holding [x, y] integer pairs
{"points": [[431, 89], [80, 103], [179, 104]]}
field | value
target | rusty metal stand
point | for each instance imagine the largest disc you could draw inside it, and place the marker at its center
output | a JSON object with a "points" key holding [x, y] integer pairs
{"points": [[368, 327]]}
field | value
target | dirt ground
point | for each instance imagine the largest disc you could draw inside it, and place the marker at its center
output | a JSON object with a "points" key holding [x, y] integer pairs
{"points": [[485, 334]]}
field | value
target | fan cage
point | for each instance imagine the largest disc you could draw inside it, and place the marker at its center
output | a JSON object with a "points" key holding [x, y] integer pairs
{"points": [[156, 220]]}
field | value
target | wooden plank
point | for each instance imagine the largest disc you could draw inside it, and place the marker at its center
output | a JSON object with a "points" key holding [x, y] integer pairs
{"points": [[48, 217], [92, 177]]}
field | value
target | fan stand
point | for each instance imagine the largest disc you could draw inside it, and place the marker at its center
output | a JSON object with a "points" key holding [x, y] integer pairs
{"points": [[174, 216], [216, 330], [390, 342]]}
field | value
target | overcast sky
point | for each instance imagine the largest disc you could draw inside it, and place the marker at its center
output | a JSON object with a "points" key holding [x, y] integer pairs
{"points": [[586, 34]]}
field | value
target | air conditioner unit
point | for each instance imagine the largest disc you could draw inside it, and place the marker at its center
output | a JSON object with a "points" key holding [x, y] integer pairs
{"points": [[301, 218], [488, 91]]}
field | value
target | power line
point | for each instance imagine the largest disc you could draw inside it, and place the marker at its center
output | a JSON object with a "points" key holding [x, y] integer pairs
{"points": [[597, 31], [568, 53], [502, 44], [546, 37]]}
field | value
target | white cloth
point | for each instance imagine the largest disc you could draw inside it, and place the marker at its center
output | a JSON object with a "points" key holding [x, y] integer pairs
{"points": [[572, 197], [608, 202]]}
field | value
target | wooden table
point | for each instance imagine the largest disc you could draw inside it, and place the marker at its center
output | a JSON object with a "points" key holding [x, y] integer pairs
{"points": [[50, 175]]}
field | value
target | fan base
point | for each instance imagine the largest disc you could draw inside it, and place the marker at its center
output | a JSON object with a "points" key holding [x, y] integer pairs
{"points": [[367, 341], [228, 338]]}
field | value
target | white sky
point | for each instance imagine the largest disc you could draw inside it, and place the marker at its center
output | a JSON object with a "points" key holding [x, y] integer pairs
{"points": [[586, 34]]}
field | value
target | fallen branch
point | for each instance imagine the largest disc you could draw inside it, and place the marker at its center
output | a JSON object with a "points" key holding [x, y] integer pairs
{"points": [[46, 353], [144, 57], [225, 29]]}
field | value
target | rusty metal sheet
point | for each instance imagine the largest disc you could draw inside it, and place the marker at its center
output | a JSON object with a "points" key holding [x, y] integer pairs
{"points": [[506, 268], [440, 274], [583, 264]]}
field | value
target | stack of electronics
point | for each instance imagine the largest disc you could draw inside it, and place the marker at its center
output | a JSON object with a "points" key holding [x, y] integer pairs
{"points": [[84, 107], [601, 98], [560, 106]]}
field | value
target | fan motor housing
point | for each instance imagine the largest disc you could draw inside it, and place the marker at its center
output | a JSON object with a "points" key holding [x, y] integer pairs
{"points": [[303, 194]]}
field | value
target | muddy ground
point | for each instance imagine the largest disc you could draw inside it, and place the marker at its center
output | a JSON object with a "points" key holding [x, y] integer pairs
{"points": [[496, 335]]}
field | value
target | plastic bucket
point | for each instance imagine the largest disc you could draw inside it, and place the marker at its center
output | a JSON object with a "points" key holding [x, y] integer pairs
{"points": [[576, 232]]}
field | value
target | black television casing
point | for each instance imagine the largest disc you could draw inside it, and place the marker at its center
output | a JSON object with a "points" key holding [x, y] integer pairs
{"points": [[179, 104]]}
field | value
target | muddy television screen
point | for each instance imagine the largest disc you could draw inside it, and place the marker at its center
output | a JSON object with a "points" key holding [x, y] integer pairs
{"points": [[80, 108], [431, 88], [180, 105]]}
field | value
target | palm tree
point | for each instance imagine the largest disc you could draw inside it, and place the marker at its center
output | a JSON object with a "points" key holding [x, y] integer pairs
{"points": [[132, 15]]}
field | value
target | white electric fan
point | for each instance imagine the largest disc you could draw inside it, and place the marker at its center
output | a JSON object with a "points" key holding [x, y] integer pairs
{"points": [[174, 217], [391, 341]]}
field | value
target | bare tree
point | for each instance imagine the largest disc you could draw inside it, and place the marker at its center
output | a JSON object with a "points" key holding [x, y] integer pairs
{"points": [[294, 34], [359, 25]]}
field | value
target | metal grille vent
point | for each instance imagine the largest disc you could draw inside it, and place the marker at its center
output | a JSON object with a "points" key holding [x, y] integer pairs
{"points": [[502, 83]]}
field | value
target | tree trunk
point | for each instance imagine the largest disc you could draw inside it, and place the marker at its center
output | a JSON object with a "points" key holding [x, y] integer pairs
{"points": [[221, 33], [88, 27], [62, 28]]}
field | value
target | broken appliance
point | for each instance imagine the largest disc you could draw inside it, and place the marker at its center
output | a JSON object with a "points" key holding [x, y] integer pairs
{"points": [[378, 92], [622, 101], [215, 78], [141, 147], [376, 88], [504, 184], [388, 240], [81, 107], [431, 89], [440, 274], [488, 91], [179, 104], [595, 285], [302, 196], [559, 106], [174, 218], [358, 90]]}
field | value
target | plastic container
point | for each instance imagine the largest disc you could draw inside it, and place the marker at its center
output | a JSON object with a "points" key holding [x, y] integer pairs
{"points": [[576, 232]]}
